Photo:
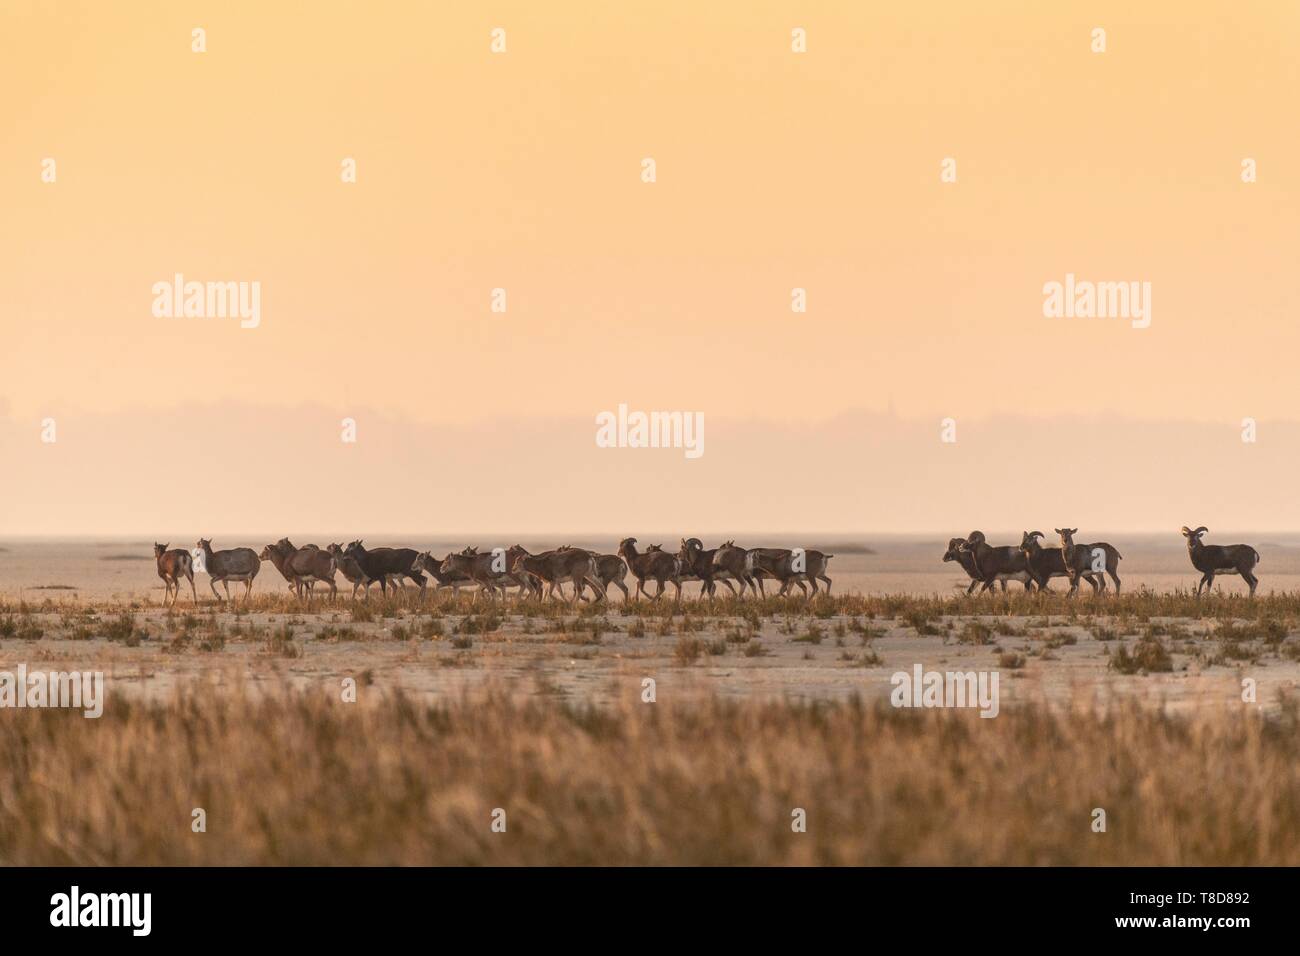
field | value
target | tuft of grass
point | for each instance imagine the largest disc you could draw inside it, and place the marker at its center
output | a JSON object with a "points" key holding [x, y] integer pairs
{"points": [[281, 643], [739, 635], [122, 629], [975, 632], [1232, 651], [1267, 630], [23, 626], [479, 624], [1149, 656], [215, 640], [920, 619], [688, 650], [813, 634]]}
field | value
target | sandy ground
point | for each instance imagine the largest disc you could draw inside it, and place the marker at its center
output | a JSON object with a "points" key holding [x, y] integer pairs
{"points": [[1046, 658]]}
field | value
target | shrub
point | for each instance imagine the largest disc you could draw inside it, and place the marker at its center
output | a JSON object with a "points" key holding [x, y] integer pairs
{"points": [[688, 650], [975, 632], [1149, 656]]}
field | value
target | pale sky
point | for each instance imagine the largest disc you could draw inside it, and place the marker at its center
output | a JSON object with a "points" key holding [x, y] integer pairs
{"points": [[522, 170]]}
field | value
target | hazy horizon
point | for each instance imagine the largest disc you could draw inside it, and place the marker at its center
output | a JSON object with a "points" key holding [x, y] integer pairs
{"points": [[212, 468]]}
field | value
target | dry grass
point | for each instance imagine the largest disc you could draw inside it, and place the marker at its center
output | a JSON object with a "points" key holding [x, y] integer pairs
{"points": [[302, 778], [1149, 656], [1266, 617]]}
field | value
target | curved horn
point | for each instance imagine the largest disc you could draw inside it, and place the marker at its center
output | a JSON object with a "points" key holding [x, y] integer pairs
{"points": [[1201, 530], [975, 537], [1037, 534]]}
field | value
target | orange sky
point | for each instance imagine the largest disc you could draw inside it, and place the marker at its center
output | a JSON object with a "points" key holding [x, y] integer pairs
{"points": [[521, 170]]}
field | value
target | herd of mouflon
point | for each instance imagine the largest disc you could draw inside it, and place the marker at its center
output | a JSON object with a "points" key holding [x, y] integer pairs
{"points": [[494, 572], [538, 575], [1033, 565]]}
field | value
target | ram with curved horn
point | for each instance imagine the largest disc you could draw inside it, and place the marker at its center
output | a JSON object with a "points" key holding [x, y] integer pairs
{"points": [[1047, 563], [1212, 559], [957, 551], [992, 564], [695, 562]]}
